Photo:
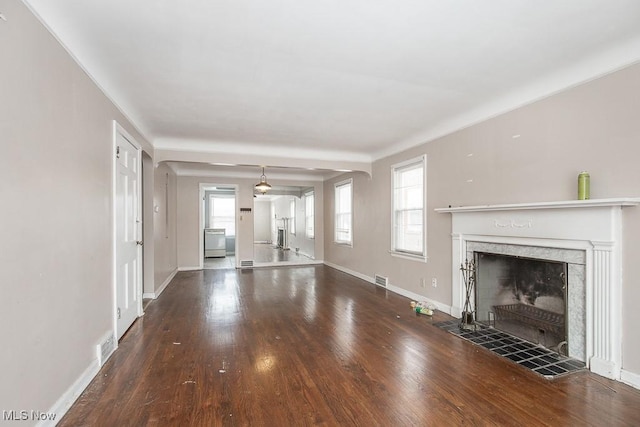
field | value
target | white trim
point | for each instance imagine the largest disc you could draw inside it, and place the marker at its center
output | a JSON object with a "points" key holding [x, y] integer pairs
{"points": [[596, 229], [393, 251], [409, 256], [562, 204], [395, 289], [285, 264], [107, 92], [69, 397], [119, 130], [630, 378], [292, 220], [417, 297], [201, 194], [342, 183], [309, 194], [351, 272], [591, 68], [162, 287]]}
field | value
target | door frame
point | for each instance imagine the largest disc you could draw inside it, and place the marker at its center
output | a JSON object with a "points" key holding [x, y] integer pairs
{"points": [[119, 130], [202, 187]]}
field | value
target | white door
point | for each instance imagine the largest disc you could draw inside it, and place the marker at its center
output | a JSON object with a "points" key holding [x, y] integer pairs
{"points": [[128, 234]]}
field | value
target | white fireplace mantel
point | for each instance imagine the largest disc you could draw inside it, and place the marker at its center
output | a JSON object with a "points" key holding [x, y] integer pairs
{"points": [[592, 226], [563, 204]]}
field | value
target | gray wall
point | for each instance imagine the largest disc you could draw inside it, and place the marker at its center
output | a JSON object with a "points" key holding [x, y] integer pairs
{"points": [[56, 255], [165, 232], [592, 127]]}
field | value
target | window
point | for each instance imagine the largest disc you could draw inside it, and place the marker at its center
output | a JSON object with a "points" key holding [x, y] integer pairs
{"points": [[343, 233], [292, 216], [309, 219], [408, 216], [222, 213]]}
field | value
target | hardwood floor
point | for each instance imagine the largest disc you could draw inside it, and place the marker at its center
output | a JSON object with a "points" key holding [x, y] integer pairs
{"points": [[313, 346]]}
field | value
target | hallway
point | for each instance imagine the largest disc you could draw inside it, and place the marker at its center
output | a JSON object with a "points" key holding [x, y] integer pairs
{"points": [[314, 346]]}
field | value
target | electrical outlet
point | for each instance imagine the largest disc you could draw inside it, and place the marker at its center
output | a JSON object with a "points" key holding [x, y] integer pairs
{"points": [[423, 283], [434, 282]]}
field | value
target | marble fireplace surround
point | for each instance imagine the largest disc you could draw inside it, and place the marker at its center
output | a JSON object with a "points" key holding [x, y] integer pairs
{"points": [[592, 228]]}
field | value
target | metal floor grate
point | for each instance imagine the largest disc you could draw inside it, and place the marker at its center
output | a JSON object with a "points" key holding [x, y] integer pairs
{"points": [[538, 359]]}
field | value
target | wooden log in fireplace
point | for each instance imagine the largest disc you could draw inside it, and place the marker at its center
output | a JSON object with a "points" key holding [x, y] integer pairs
{"points": [[532, 316]]}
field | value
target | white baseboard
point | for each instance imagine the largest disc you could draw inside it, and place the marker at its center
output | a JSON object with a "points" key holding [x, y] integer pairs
{"points": [[395, 289], [286, 264], [630, 378], [166, 282], [156, 294], [65, 401], [417, 297], [350, 272], [189, 268]]}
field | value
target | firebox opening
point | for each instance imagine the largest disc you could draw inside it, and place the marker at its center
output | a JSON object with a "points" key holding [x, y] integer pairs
{"points": [[524, 297]]}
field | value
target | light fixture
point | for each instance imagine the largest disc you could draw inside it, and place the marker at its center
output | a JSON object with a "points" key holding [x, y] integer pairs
{"points": [[263, 186]]}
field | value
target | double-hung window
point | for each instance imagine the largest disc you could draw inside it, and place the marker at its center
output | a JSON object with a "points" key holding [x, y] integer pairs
{"points": [[309, 215], [292, 216], [343, 215], [222, 213], [408, 211]]}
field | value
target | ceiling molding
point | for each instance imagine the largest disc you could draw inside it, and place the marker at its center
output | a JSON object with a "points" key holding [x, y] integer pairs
{"points": [[249, 159], [241, 148], [594, 67], [202, 171], [374, 80]]}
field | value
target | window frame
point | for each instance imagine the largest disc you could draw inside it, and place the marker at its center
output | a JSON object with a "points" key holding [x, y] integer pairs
{"points": [[312, 196], [336, 186], [394, 251], [292, 216]]}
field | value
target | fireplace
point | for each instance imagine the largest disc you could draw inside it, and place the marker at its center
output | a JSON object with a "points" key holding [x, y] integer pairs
{"points": [[584, 238], [525, 297], [553, 280]]}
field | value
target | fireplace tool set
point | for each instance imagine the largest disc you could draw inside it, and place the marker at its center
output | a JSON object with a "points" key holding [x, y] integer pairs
{"points": [[468, 269]]}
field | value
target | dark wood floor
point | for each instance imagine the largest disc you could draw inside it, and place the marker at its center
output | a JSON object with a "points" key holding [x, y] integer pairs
{"points": [[313, 346]]}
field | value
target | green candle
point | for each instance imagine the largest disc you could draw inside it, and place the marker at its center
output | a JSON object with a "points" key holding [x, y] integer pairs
{"points": [[583, 186]]}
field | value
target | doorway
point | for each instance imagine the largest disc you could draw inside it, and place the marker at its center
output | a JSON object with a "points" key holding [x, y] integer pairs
{"points": [[218, 226], [284, 227]]}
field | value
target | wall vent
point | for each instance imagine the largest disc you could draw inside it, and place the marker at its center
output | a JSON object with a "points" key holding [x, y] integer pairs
{"points": [[381, 280], [106, 349], [246, 264]]}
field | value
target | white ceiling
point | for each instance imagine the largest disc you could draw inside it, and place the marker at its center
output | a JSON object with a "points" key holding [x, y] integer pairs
{"points": [[333, 79]]}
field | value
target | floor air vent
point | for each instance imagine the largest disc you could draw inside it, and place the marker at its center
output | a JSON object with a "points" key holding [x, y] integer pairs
{"points": [[381, 280], [245, 264], [105, 349]]}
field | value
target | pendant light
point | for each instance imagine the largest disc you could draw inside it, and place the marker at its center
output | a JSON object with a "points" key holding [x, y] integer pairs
{"points": [[263, 186]]}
